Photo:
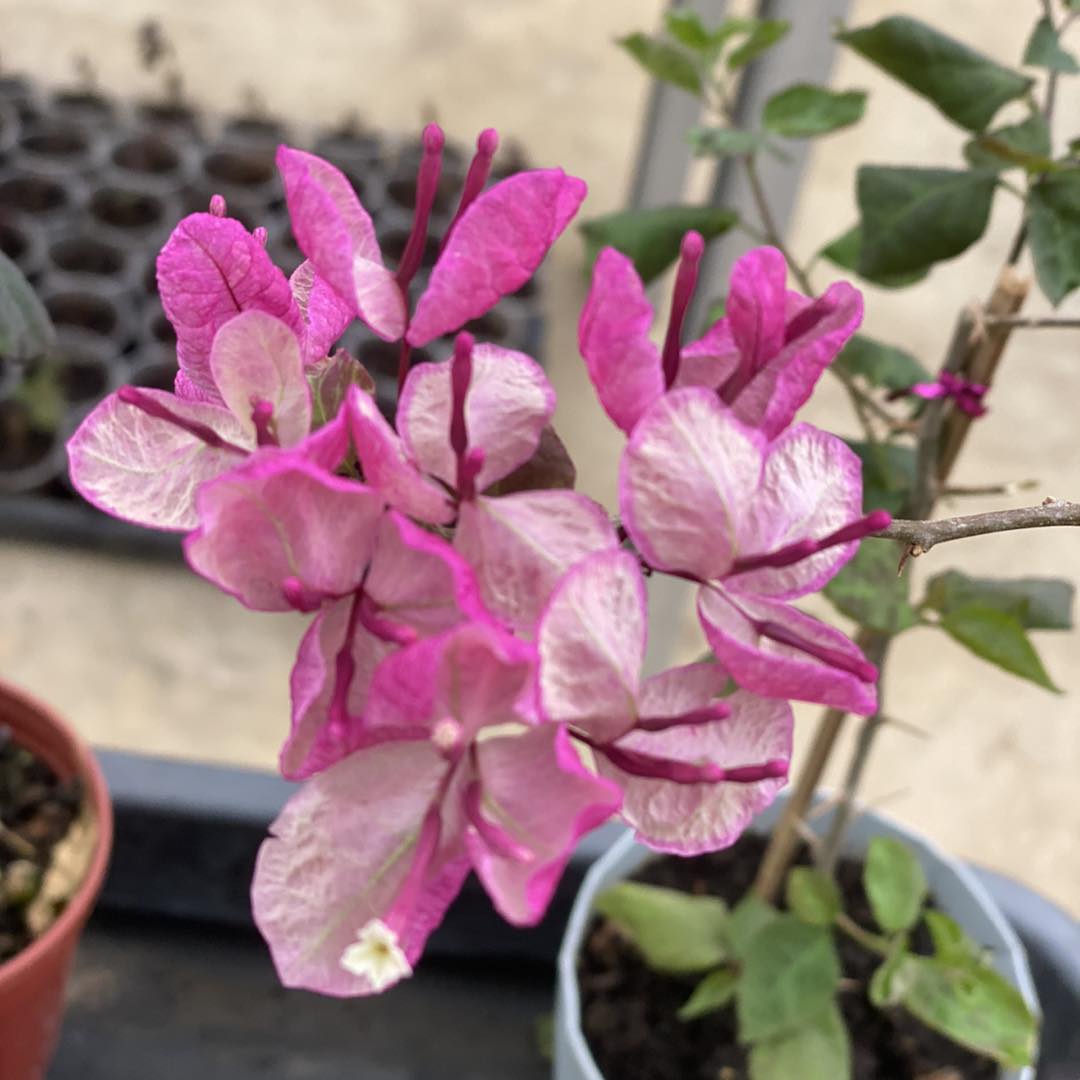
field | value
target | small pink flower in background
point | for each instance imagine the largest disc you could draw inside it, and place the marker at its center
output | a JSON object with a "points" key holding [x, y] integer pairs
{"points": [[763, 359], [365, 859], [967, 395], [694, 767], [756, 523]]}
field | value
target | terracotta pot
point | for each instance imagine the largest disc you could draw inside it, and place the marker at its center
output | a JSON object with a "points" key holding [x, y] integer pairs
{"points": [[32, 982]]}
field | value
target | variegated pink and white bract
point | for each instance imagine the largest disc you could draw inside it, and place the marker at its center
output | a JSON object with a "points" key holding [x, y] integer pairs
{"points": [[763, 358], [469, 692], [757, 523]]}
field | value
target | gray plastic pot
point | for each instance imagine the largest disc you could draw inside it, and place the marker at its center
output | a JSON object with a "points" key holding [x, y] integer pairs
{"points": [[955, 888]]}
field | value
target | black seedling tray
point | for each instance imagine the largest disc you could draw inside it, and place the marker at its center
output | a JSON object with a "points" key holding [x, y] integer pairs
{"points": [[89, 191]]}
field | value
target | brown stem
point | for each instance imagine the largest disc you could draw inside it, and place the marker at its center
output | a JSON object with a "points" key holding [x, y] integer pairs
{"points": [[785, 837], [921, 536], [981, 361], [1032, 322]]}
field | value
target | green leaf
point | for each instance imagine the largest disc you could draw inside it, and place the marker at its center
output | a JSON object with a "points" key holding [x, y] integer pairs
{"points": [[869, 590], [895, 884], [687, 29], [712, 993], [965, 85], [748, 917], [664, 61], [881, 365], [544, 1035], [41, 394], [789, 973], [951, 944], [652, 237], [887, 984], [998, 637], [330, 379], [1026, 144], [803, 110], [912, 218], [972, 1005], [844, 252], [765, 33], [819, 1049], [1054, 233], [1036, 603], [1044, 50], [717, 311], [888, 474], [25, 329], [813, 896], [674, 931], [724, 142]]}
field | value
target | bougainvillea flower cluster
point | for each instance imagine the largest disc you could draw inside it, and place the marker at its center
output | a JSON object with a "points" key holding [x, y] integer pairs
{"points": [[469, 695]]}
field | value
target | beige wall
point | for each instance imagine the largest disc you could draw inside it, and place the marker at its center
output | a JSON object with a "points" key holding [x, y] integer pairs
{"points": [[149, 657]]}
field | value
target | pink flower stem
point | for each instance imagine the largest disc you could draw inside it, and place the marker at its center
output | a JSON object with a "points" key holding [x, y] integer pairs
{"points": [[692, 718], [689, 260], [372, 620], [344, 669], [495, 836], [262, 416], [427, 186], [139, 399], [684, 772], [469, 462], [802, 549], [476, 178], [856, 666], [427, 845]]}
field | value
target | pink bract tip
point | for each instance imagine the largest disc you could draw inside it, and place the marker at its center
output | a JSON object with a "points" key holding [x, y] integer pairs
{"points": [[262, 416], [487, 142], [693, 246], [433, 139], [259, 235], [217, 205], [877, 520]]}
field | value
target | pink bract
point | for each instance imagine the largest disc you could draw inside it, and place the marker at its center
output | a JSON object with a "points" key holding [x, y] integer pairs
{"points": [[756, 523], [495, 245], [393, 820], [763, 358], [415, 585]]}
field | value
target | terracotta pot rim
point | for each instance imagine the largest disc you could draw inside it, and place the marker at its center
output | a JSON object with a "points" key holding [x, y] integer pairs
{"points": [[71, 918]]}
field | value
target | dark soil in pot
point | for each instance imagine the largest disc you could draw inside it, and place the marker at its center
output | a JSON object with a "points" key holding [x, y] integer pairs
{"points": [[36, 812], [629, 1012]]}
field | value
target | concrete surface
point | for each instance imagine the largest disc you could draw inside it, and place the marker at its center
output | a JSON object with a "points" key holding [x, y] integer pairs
{"points": [[148, 657]]}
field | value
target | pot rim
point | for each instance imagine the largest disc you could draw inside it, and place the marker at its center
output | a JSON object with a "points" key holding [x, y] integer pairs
{"points": [[22, 706], [568, 1000]]}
